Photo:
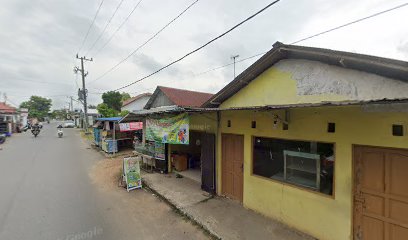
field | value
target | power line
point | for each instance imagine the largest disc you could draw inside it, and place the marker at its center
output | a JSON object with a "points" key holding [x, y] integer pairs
{"points": [[229, 64], [350, 23], [151, 38], [106, 26], [201, 47], [307, 38], [117, 29], [90, 26]]}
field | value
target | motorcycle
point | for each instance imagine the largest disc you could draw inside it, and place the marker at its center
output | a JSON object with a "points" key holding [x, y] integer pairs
{"points": [[59, 131], [26, 127], [2, 138], [35, 130]]}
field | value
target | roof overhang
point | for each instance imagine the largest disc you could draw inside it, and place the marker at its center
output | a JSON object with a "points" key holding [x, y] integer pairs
{"points": [[390, 68], [141, 114]]}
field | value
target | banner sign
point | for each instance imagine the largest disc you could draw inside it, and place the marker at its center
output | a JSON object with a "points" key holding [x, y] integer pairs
{"points": [[132, 126], [168, 129], [159, 150], [131, 173]]}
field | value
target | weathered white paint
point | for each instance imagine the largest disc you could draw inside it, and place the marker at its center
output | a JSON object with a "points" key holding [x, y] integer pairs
{"points": [[137, 104], [314, 78]]}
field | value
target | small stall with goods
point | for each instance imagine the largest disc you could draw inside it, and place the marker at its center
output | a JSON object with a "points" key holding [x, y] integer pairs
{"points": [[112, 136]]}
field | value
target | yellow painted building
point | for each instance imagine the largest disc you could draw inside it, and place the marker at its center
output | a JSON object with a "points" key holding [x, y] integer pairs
{"points": [[308, 98]]}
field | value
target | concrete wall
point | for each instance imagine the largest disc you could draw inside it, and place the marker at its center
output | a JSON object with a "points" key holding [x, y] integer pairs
{"points": [[136, 105], [322, 216], [303, 81]]}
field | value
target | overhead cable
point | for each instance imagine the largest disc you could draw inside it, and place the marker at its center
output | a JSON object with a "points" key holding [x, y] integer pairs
{"points": [[307, 38], [201, 47], [151, 38], [90, 26], [117, 29], [106, 26]]}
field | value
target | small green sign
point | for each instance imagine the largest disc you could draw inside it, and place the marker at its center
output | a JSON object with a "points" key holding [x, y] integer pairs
{"points": [[131, 171]]}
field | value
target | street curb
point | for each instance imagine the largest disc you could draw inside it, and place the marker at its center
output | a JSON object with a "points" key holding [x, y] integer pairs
{"points": [[182, 212]]}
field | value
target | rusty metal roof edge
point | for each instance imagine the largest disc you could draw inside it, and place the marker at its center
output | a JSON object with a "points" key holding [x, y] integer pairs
{"points": [[177, 109], [320, 104], [166, 110]]}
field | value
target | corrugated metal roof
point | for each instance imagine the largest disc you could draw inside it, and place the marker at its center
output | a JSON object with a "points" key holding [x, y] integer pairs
{"points": [[139, 115], [381, 66]]}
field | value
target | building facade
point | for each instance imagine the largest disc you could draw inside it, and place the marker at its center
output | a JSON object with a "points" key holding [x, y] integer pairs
{"points": [[317, 140]]}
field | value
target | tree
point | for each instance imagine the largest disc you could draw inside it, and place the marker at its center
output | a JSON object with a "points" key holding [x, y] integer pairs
{"points": [[106, 111], [113, 100], [124, 113], [125, 96], [38, 107], [59, 114], [90, 106]]}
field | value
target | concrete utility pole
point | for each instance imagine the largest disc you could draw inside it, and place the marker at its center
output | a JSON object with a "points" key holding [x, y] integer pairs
{"points": [[83, 91], [233, 58], [71, 104]]}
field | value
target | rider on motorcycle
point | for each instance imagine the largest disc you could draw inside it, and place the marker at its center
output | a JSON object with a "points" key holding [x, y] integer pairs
{"points": [[35, 129]]}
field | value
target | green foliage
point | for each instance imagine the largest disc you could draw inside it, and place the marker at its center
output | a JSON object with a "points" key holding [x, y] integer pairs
{"points": [[106, 111], [59, 114], [125, 96], [113, 100], [123, 113], [38, 107], [91, 106]]}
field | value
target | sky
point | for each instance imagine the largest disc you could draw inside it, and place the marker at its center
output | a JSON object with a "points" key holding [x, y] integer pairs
{"points": [[39, 40]]}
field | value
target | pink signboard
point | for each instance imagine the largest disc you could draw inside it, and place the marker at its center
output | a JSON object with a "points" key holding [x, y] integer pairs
{"points": [[132, 126]]}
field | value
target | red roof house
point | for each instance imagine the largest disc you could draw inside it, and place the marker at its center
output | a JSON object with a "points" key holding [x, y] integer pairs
{"points": [[6, 109], [165, 96]]}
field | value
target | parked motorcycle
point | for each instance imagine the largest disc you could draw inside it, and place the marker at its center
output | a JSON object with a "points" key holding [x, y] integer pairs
{"points": [[26, 127], [2, 138], [59, 131], [35, 130]]}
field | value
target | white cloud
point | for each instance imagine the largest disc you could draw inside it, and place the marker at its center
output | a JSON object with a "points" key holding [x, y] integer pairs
{"points": [[39, 40]]}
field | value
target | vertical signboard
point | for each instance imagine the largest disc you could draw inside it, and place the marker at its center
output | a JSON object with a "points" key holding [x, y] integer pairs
{"points": [[131, 173]]}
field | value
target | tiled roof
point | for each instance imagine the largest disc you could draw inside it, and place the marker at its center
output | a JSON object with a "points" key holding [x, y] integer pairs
{"points": [[130, 100], [185, 98], [4, 108]]}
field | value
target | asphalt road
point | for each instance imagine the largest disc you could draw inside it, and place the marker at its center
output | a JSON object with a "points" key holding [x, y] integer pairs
{"points": [[46, 193]]}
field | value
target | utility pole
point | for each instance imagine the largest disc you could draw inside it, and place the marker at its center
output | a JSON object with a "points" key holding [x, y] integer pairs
{"points": [[233, 58], [71, 105], [83, 91]]}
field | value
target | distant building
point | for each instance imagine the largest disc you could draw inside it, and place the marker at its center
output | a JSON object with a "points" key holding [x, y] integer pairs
{"points": [[136, 103], [165, 96], [8, 118]]}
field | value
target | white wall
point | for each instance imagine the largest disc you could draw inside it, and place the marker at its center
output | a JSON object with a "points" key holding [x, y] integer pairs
{"points": [[136, 105]]}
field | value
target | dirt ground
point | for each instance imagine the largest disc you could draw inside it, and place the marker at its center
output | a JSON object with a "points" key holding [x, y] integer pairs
{"points": [[141, 211]]}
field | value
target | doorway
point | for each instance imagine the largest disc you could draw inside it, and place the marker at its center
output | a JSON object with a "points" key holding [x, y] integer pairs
{"points": [[380, 193], [208, 163], [232, 166]]}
